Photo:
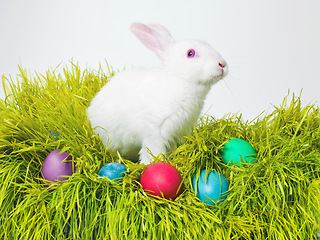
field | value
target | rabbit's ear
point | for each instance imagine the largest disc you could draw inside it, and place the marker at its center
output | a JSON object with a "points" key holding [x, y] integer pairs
{"points": [[153, 36]]}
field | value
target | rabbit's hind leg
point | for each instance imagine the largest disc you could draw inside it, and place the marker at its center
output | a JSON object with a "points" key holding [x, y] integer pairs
{"points": [[151, 146]]}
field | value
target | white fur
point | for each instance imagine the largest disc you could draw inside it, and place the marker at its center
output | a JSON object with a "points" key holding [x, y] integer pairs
{"points": [[153, 108]]}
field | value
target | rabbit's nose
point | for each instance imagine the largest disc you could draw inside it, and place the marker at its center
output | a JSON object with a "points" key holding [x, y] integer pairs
{"points": [[222, 64]]}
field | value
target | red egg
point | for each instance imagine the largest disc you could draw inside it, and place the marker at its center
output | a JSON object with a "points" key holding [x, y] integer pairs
{"points": [[162, 180], [56, 165]]}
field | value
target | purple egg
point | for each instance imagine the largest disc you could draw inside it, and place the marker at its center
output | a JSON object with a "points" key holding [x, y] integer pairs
{"points": [[57, 164]]}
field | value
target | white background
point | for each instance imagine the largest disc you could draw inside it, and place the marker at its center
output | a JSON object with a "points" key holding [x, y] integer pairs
{"points": [[271, 46]]}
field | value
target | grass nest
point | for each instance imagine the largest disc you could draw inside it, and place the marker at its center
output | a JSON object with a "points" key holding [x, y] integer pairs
{"points": [[278, 197]]}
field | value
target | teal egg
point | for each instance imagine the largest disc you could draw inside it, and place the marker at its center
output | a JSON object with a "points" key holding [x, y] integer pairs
{"points": [[113, 171], [237, 151], [211, 188]]}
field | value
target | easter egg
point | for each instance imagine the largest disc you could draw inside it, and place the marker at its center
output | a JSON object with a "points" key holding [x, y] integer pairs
{"points": [[162, 180], [212, 189], [113, 171], [56, 165], [236, 151], [55, 135]]}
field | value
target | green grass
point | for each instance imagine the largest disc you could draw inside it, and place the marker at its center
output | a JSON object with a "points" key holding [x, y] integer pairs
{"points": [[278, 197]]}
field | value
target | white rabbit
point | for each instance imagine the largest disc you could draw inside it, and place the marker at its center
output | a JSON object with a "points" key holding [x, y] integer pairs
{"points": [[151, 109]]}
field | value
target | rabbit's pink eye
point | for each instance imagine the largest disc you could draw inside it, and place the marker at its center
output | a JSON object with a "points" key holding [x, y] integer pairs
{"points": [[191, 53]]}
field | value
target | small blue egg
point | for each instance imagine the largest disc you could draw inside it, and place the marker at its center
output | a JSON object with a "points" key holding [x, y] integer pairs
{"points": [[212, 190], [113, 171]]}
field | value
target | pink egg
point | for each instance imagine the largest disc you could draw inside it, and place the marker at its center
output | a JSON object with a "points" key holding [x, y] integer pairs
{"points": [[161, 179], [56, 165]]}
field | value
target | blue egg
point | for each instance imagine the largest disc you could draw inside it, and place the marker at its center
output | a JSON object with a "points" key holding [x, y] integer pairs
{"points": [[113, 171], [212, 190]]}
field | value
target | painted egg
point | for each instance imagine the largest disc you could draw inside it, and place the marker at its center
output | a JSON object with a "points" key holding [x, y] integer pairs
{"points": [[162, 180], [237, 151], [113, 171], [56, 165], [56, 135], [212, 188]]}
